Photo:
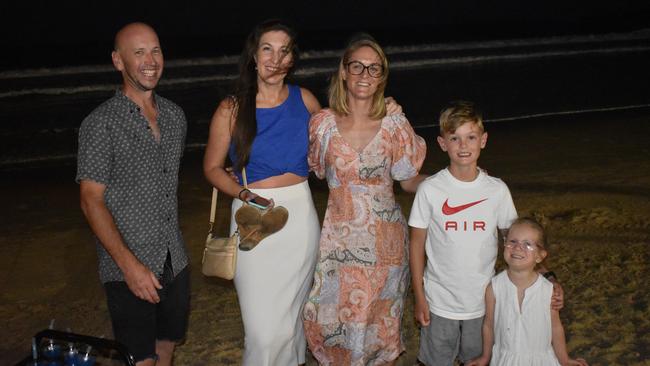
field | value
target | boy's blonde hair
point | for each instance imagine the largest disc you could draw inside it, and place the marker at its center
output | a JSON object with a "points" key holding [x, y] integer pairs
{"points": [[338, 90], [457, 114]]}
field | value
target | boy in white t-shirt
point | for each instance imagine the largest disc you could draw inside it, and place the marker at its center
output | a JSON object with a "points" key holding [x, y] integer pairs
{"points": [[455, 219]]}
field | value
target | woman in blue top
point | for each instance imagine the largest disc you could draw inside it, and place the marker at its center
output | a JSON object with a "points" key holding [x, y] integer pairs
{"points": [[264, 127]]}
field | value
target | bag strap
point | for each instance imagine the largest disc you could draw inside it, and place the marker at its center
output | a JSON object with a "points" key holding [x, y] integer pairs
{"points": [[243, 175], [213, 208]]}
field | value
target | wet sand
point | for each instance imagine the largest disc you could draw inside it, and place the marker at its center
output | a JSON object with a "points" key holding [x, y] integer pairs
{"points": [[587, 177]]}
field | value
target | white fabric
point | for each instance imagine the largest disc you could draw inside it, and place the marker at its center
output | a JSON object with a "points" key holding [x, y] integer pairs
{"points": [[461, 247], [522, 338], [272, 281]]}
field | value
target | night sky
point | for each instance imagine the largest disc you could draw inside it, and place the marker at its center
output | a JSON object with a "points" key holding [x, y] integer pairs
{"points": [[56, 33]]}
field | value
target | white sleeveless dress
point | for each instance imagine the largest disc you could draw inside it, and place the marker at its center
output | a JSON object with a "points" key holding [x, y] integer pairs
{"points": [[273, 279], [522, 338]]}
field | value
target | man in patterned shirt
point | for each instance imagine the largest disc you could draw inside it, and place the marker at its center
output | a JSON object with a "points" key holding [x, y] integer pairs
{"points": [[129, 156]]}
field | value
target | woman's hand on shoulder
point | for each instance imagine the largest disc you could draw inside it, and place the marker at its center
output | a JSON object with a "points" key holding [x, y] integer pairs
{"points": [[392, 107], [311, 102]]}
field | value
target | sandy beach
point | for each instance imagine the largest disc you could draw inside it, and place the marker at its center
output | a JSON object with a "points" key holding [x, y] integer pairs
{"points": [[586, 176], [569, 135]]}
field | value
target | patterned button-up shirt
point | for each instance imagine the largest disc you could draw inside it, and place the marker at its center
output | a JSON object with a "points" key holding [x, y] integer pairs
{"points": [[117, 149]]}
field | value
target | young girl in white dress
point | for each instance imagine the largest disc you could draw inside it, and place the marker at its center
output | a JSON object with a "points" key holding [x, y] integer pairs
{"points": [[520, 328]]}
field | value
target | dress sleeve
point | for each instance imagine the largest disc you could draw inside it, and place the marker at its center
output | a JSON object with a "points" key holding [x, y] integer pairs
{"points": [[319, 136], [408, 149]]}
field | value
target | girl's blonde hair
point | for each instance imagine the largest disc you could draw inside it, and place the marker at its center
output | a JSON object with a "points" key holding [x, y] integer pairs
{"points": [[535, 225]]}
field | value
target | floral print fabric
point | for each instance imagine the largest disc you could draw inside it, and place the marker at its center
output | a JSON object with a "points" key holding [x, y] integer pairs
{"points": [[353, 313]]}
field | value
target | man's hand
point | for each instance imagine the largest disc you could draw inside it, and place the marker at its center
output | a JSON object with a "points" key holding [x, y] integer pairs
{"points": [[143, 283]]}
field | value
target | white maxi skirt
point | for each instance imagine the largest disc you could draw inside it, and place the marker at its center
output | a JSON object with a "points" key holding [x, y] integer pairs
{"points": [[274, 278]]}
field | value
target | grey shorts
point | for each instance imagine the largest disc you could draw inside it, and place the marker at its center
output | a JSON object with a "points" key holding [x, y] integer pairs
{"points": [[445, 339]]}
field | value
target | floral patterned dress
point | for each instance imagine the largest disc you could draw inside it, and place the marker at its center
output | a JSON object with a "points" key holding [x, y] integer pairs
{"points": [[354, 310]]}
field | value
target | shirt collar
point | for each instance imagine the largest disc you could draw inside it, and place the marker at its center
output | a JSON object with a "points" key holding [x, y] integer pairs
{"points": [[130, 105], [120, 94]]}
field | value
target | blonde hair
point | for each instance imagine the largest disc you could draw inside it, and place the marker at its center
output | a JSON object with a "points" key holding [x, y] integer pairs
{"points": [[533, 224], [337, 91], [458, 113]]}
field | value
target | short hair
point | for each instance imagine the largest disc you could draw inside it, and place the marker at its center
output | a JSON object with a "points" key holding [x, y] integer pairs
{"points": [[458, 113], [337, 89], [118, 34], [535, 225]]}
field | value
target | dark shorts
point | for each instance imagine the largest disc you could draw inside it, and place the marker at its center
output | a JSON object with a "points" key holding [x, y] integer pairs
{"points": [[138, 323]]}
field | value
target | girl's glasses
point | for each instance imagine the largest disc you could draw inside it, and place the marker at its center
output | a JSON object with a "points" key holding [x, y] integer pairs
{"points": [[524, 244], [357, 68]]}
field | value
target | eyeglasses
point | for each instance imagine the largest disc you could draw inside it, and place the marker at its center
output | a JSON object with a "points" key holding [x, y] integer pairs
{"points": [[357, 68], [525, 244]]}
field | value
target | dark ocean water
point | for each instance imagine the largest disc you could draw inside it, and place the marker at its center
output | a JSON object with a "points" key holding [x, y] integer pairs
{"points": [[511, 79], [54, 34]]}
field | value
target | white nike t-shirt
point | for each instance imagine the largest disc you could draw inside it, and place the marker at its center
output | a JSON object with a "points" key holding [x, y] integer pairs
{"points": [[461, 219]]}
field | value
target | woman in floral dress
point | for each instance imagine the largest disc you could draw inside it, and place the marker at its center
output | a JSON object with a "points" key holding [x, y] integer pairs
{"points": [[353, 314]]}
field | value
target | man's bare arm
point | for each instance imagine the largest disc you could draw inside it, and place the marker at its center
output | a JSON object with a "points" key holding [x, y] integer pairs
{"points": [[141, 281]]}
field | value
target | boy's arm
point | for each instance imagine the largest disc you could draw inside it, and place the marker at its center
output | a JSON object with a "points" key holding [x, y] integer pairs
{"points": [[417, 260], [557, 301], [140, 280], [487, 330], [488, 322], [411, 185]]}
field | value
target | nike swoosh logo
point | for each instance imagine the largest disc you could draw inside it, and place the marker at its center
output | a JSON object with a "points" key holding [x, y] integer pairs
{"points": [[448, 210]]}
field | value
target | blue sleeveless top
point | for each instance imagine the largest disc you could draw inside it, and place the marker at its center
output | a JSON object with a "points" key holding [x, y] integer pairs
{"points": [[282, 140]]}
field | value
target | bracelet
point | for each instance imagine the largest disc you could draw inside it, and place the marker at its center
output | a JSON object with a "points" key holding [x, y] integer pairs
{"points": [[549, 274], [242, 191]]}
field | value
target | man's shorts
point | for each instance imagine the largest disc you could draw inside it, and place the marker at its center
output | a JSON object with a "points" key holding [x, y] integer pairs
{"points": [[444, 339], [138, 323]]}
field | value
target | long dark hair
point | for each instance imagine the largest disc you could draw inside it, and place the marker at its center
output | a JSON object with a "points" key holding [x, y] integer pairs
{"points": [[246, 88]]}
